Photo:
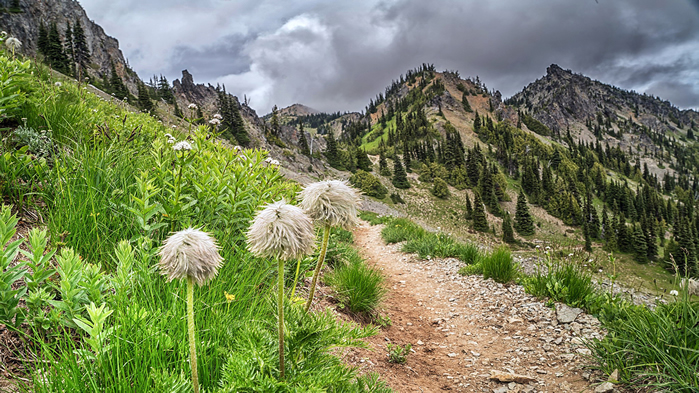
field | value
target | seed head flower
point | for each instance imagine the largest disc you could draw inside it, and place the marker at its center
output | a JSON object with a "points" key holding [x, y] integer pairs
{"points": [[192, 106], [330, 202], [674, 293], [13, 44], [168, 135], [182, 145], [58, 84], [190, 253], [281, 231], [218, 116]]}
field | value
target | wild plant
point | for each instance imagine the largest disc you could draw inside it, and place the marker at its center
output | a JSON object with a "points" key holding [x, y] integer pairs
{"points": [[282, 232], [499, 265], [358, 287], [330, 203], [562, 281], [193, 255], [11, 313], [398, 353], [98, 334]]}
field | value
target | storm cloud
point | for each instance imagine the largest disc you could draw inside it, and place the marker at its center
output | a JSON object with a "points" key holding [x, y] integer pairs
{"points": [[335, 56]]}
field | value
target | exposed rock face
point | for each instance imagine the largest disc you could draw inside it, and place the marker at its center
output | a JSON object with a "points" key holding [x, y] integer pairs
{"points": [[563, 100], [103, 49]]}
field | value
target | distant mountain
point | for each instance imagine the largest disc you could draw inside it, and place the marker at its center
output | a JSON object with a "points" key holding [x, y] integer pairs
{"points": [[298, 110], [563, 100]]}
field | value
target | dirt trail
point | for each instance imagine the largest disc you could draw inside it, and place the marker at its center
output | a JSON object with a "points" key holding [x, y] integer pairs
{"points": [[461, 328]]}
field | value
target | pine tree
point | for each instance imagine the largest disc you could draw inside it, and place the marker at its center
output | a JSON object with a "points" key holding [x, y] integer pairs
{"points": [[400, 178], [332, 153], [588, 241], [464, 102], [117, 85], [55, 56], [144, 101], [383, 165], [81, 56], [624, 241], [440, 188], [524, 225], [469, 208], [639, 245], [43, 40], [508, 236], [274, 122], [480, 221], [69, 47], [303, 143], [363, 161]]}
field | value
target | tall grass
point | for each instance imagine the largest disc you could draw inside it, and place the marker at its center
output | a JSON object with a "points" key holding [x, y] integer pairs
{"points": [[443, 246], [499, 265], [358, 286], [561, 281], [401, 229]]}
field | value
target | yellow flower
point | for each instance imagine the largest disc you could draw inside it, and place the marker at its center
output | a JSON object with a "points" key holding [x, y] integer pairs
{"points": [[229, 297], [298, 300]]}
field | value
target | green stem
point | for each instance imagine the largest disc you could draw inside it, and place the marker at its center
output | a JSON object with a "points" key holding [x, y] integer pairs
{"points": [[192, 337], [178, 186], [296, 278], [321, 259], [280, 306]]}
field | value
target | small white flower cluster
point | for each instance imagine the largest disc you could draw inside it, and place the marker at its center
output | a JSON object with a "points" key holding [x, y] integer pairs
{"points": [[237, 149], [217, 116], [674, 293], [192, 106], [214, 122], [170, 139], [272, 161], [183, 145], [174, 126], [58, 84]]}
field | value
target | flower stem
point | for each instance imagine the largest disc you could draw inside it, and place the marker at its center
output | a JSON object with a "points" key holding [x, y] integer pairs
{"points": [[192, 338], [321, 259], [280, 306]]}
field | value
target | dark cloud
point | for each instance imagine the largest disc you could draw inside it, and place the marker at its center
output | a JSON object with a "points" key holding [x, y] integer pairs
{"points": [[337, 55]]}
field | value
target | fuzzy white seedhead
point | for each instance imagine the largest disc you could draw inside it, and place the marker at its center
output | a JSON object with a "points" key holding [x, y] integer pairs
{"points": [[282, 231], [190, 253], [331, 202], [192, 106], [218, 116], [13, 44]]}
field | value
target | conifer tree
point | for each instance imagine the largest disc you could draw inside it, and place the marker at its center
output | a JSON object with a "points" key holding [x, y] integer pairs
{"points": [[332, 153], [464, 102], [81, 52], [43, 40], [508, 236], [469, 208], [303, 143], [69, 48], [363, 161], [406, 156], [524, 224], [639, 245], [477, 123], [274, 122], [624, 241], [400, 178], [55, 56], [383, 165], [117, 85], [588, 240], [480, 221], [144, 101], [440, 188], [165, 91]]}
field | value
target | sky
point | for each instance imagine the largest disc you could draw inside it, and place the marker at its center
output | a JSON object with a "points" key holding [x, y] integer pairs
{"points": [[336, 55]]}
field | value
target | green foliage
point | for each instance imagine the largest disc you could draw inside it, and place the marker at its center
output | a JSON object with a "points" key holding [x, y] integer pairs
{"points": [[13, 84], [480, 222], [39, 143], [396, 198], [562, 281], [472, 270], [524, 224], [499, 265], [400, 178], [534, 125], [442, 245], [374, 218], [397, 353], [357, 286], [440, 189], [401, 229], [368, 184], [508, 235]]}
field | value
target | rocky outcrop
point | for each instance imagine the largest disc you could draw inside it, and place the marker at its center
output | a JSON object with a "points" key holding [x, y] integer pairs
{"points": [[564, 100], [103, 49]]}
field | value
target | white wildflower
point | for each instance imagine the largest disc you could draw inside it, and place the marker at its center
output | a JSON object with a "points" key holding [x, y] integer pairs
{"points": [[570, 255], [58, 84], [13, 44], [191, 254], [281, 231], [218, 116], [674, 293], [174, 126], [183, 145], [192, 106], [331, 202], [214, 121], [167, 135]]}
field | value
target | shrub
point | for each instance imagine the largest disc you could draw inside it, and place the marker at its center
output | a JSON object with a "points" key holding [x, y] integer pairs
{"points": [[358, 287], [397, 353], [369, 184], [440, 188], [499, 265], [471, 270], [442, 246], [395, 198]]}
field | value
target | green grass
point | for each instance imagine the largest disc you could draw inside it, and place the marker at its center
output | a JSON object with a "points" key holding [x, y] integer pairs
{"points": [[374, 218], [357, 286], [561, 281], [499, 266], [443, 246], [401, 229]]}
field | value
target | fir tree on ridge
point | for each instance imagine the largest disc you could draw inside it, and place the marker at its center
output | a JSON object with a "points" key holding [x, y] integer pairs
{"points": [[524, 224]]}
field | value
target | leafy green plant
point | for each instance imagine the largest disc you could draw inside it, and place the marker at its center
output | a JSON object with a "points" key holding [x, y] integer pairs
{"points": [[397, 353], [11, 314], [499, 265], [561, 281], [98, 335], [368, 184], [401, 229], [443, 246], [373, 218]]}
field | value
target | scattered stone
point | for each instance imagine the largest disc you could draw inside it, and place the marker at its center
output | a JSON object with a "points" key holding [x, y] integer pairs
{"points": [[566, 314], [501, 389], [502, 376], [614, 376], [606, 387]]}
